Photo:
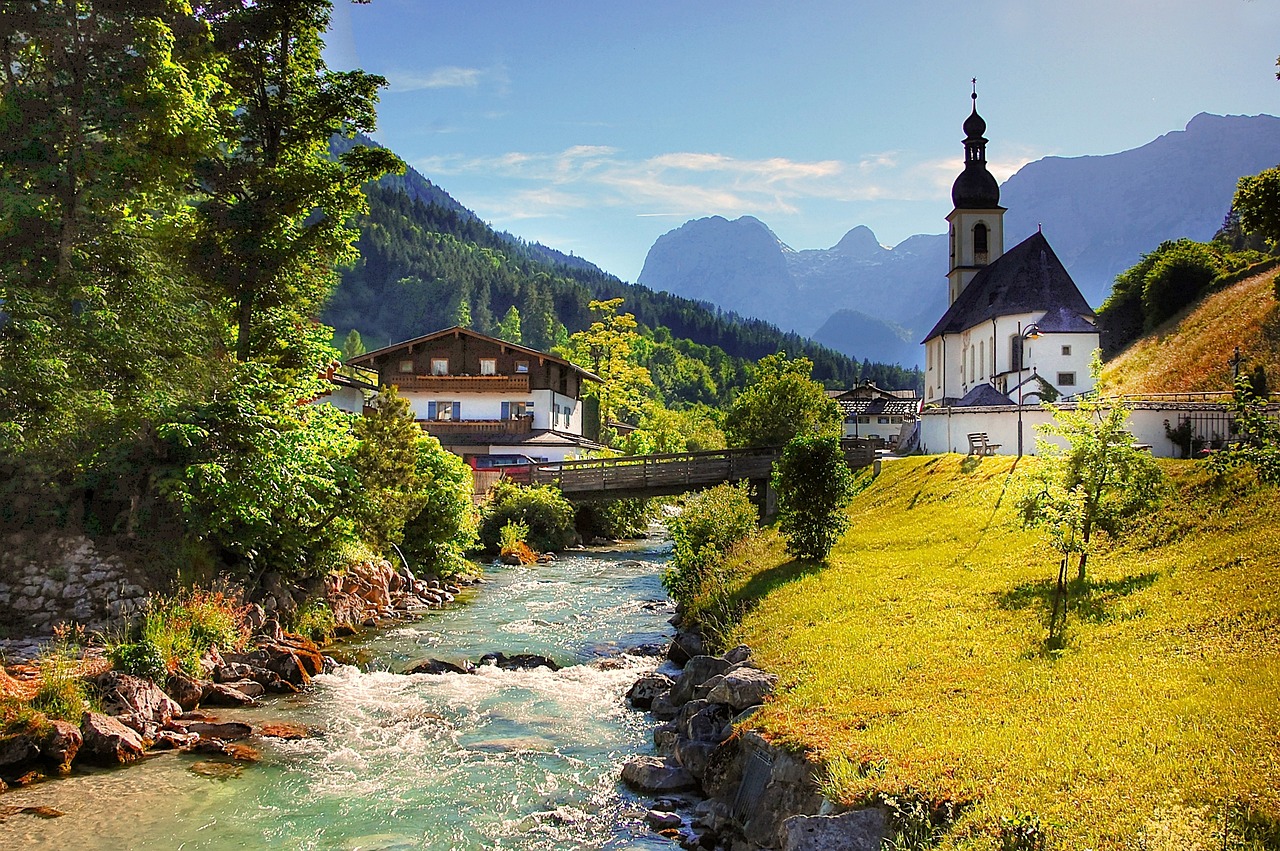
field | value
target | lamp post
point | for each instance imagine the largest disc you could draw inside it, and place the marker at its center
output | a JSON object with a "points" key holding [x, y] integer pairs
{"points": [[1031, 332]]}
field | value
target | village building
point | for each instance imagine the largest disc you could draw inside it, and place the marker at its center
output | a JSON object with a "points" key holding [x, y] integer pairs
{"points": [[872, 413], [1016, 325], [483, 396]]}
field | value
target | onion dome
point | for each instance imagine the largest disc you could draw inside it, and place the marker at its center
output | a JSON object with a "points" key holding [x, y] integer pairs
{"points": [[975, 188]]}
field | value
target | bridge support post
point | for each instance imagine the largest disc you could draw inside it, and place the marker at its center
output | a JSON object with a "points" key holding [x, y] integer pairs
{"points": [[766, 499]]}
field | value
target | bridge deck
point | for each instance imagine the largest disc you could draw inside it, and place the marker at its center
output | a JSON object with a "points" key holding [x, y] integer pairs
{"points": [[656, 475]]}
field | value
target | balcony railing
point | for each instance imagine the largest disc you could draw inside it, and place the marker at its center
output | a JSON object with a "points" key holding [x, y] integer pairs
{"points": [[515, 425], [461, 383]]}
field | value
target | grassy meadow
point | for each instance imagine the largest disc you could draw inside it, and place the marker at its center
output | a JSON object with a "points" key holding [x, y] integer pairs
{"points": [[914, 664]]}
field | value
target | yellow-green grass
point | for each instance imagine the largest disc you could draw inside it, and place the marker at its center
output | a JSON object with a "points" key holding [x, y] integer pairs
{"points": [[1190, 353], [915, 661]]}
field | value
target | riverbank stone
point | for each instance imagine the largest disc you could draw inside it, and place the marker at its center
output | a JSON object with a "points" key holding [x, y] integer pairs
{"points": [[62, 741], [107, 741], [135, 702], [696, 671], [644, 690], [654, 774], [743, 687], [857, 830]]}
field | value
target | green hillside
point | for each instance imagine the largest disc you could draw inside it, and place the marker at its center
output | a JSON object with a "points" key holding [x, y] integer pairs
{"points": [[914, 666]]}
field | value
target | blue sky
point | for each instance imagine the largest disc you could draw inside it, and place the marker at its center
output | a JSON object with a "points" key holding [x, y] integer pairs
{"points": [[595, 127]]}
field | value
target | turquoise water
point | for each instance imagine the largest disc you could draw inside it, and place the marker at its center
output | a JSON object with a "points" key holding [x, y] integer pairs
{"points": [[519, 760]]}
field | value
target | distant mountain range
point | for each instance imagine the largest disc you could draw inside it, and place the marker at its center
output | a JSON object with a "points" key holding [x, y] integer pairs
{"points": [[1100, 213]]}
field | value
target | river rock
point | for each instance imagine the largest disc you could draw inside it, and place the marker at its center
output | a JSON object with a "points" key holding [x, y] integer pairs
{"points": [[173, 740], [645, 689], [662, 707], [665, 737], [738, 655], [285, 731], [61, 743], [185, 691], [655, 774], [108, 742], [694, 755], [136, 702], [703, 721], [439, 666], [743, 687], [227, 694], [518, 662], [684, 647], [857, 830], [658, 819], [225, 730], [696, 671], [18, 750]]}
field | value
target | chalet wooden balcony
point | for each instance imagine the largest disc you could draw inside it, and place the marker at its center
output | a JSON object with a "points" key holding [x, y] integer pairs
{"points": [[461, 383], [446, 428]]}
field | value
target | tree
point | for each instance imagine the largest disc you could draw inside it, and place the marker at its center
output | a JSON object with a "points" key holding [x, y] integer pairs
{"points": [[1099, 480], [606, 349], [814, 486], [274, 217], [509, 328], [783, 402], [1257, 201], [352, 346], [1256, 434]]}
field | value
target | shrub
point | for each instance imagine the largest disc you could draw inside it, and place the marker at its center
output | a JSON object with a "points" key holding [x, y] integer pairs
{"points": [[62, 693], [183, 627], [709, 524], [1177, 279], [542, 508], [140, 658], [614, 518], [315, 620], [814, 485], [440, 534]]}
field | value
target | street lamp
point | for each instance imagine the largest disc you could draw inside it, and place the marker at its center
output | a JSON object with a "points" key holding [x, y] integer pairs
{"points": [[1031, 332]]}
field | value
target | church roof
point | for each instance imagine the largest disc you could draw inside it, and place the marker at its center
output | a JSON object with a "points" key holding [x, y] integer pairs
{"points": [[984, 395], [1029, 278]]}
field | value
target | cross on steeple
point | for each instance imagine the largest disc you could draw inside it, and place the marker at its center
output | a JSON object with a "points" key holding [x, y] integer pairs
{"points": [[975, 88]]}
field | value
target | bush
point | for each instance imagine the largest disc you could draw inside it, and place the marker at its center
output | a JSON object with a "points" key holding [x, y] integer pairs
{"points": [[542, 508], [183, 627], [1181, 274], [62, 693], [440, 534], [614, 518], [315, 620], [710, 523], [814, 485], [140, 658]]}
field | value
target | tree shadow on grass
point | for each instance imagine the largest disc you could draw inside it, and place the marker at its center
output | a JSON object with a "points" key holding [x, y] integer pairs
{"points": [[768, 581], [1088, 600]]}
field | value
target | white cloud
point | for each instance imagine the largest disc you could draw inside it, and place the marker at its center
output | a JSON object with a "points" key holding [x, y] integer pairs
{"points": [[697, 183], [445, 77]]}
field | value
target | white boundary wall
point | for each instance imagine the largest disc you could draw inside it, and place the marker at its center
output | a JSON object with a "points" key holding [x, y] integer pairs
{"points": [[948, 429]]}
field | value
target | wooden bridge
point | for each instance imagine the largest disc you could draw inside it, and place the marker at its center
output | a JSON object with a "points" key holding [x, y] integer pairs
{"points": [[656, 475], [665, 475]]}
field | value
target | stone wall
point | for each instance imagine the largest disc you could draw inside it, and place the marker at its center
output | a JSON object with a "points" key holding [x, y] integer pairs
{"points": [[52, 578]]}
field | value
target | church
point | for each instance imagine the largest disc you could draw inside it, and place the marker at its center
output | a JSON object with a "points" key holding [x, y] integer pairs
{"points": [[1017, 328]]}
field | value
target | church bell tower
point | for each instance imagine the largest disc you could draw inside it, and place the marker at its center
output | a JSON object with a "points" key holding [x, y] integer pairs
{"points": [[977, 222]]}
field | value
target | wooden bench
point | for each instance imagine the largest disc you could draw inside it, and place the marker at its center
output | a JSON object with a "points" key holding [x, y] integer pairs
{"points": [[978, 444]]}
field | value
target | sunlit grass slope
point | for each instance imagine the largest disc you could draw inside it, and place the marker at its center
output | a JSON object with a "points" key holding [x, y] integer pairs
{"points": [[1190, 353], [914, 663]]}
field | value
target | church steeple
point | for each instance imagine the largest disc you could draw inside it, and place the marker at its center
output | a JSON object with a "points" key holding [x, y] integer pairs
{"points": [[977, 222]]}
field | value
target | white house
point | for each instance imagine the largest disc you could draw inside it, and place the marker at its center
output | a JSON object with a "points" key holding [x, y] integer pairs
{"points": [[480, 395]]}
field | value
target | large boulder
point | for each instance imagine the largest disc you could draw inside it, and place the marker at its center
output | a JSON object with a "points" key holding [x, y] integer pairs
{"points": [[651, 774], [857, 830], [61, 742], [135, 702], [696, 671], [645, 689], [684, 647], [743, 687], [18, 749], [185, 691], [107, 741], [439, 666], [225, 730], [227, 694]]}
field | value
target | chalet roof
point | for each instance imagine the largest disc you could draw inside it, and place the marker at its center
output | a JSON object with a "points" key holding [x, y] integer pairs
{"points": [[1029, 278], [536, 438], [983, 394], [869, 390], [881, 407], [459, 331]]}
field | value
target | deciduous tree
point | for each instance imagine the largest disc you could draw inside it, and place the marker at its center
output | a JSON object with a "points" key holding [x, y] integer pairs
{"points": [[781, 403]]}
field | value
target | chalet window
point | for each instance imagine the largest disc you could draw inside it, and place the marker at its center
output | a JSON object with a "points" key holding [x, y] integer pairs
{"points": [[982, 358], [1066, 351], [882, 420], [406, 366], [516, 410], [439, 366], [522, 367], [1015, 353], [1066, 379], [488, 366], [443, 411]]}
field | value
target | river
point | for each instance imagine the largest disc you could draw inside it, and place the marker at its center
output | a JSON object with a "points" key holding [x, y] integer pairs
{"points": [[512, 760]]}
